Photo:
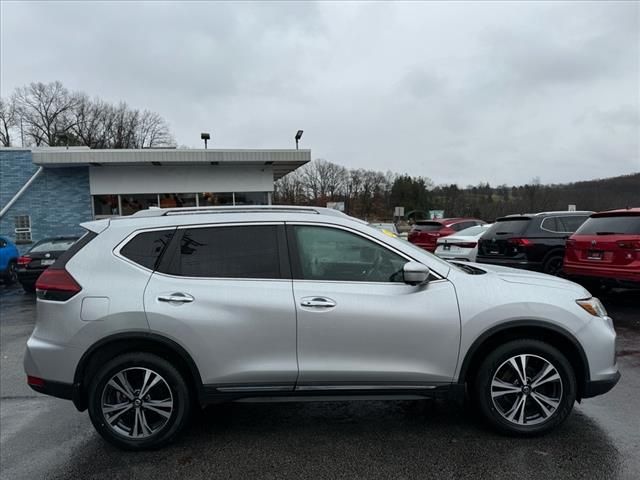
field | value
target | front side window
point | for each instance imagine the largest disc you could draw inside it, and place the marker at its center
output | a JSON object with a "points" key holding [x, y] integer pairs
{"points": [[228, 252], [333, 254]]}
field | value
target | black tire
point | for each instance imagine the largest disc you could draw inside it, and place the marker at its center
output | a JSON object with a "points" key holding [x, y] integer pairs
{"points": [[553, 265], [497, 363], [11, 276], [172, 381], [29, 287]]}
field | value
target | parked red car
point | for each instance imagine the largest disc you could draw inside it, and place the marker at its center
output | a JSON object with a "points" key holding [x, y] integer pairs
{"points": [[606, 249], [425, 233]]}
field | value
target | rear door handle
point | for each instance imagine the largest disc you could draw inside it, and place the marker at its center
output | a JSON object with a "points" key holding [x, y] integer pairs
{"points": [[317, 302], [177, 297]]}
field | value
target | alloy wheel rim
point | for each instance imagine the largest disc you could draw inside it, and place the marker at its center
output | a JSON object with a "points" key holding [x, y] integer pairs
{"points": [[526, 390], [137, 403]]}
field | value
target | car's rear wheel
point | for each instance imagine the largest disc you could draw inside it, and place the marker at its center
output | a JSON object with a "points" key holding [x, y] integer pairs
{"points": [[553, 265], [11, 276], [525, 387], [139, 401]]}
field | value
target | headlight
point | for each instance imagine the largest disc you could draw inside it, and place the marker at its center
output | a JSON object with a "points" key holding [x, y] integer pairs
{"points": [[593, 306]]}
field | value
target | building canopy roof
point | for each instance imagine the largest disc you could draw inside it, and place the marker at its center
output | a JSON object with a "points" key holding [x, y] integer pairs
{"points": [[282, 161]]}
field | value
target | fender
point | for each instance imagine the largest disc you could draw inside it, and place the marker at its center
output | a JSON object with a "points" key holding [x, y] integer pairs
{"points": [[475, 346], [78, 394]]}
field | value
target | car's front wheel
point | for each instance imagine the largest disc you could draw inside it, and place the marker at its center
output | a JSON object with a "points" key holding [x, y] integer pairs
{"points": [[525, 387], [139, 401]]}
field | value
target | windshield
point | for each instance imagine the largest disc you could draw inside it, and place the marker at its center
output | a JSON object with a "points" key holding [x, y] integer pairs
{"points": [[53, 245], [472, 231], [424, 226], [624, 224]]}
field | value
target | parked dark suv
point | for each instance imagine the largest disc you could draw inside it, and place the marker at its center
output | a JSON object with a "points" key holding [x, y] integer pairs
{"points": [[532, 241]]}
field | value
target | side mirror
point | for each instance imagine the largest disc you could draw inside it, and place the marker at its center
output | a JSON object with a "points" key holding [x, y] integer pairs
{"points": [[415, 273]]}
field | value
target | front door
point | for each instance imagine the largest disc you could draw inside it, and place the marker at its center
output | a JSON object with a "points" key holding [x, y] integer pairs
{"points": [[359, 325], [225, 296]]}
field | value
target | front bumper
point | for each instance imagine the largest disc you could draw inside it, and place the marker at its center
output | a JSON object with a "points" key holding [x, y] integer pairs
{"points": [[594, 388]]}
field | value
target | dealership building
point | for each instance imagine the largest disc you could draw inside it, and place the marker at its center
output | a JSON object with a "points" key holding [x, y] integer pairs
{"points": [[49, 191]]}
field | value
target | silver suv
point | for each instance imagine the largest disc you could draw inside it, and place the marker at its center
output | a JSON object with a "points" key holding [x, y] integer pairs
{"points": [[148, 315]]}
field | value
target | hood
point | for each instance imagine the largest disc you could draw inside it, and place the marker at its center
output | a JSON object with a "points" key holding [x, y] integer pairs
{"points": [[527, 277]]}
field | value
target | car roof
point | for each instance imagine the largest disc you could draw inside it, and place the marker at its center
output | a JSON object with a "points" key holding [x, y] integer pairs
{"points": [[543, 214], [209, 215], [618, 212]]}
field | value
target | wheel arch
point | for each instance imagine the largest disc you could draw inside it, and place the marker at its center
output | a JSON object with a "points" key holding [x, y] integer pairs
{"points": [[554, 335], [120, 343]]}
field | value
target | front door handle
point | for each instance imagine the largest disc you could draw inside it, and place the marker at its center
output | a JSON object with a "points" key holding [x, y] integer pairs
{"points": [[317, 302], [177, 297]]}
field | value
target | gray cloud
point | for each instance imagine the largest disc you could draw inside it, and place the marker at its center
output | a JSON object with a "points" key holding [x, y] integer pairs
{"points": [[460, 92]]}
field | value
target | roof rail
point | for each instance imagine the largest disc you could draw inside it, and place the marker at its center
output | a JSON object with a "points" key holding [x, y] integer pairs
{"points": [[160, 212]]}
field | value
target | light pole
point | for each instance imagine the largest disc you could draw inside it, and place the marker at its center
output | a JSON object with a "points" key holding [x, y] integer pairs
{"points": [[205, 136], [298, 137]]}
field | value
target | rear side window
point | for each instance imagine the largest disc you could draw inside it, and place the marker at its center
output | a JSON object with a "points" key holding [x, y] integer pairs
{"points": [[228, 252], [509, 226], [624, 224], [146, 247]]}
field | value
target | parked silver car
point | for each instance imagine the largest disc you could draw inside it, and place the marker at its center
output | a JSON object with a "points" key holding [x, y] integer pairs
{"points": [[149, 314]]}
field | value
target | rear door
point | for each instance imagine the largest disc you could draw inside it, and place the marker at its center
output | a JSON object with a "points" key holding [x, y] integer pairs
{"points": [[359, 325], [223, 292]]}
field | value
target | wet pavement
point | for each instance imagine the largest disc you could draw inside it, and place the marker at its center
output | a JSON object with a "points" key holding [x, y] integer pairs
{"points": [[46, 438]]}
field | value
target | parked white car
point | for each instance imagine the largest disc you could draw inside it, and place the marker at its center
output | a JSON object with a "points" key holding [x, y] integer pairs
{"points": [[463, 245]]}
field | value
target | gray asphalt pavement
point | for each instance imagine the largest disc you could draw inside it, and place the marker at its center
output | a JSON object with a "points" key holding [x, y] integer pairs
{"points": [[46, 438]]}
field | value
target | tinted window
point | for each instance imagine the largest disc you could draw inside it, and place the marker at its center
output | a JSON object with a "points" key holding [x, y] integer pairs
{"points": [[231, 252], [627, 224], [333, 254], [509, 226], [462, 225], [145, 248], [424, 226], [571, 223], [53, 245]]}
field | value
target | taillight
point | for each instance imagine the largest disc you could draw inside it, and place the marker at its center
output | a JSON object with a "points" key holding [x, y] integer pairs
{"points": [[520, 242], [35, 381], [24, 260], [56, 285], [629, 244]]}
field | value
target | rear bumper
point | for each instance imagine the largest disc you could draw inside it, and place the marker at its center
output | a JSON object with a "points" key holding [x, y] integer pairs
{"points": [[602, 273], [29, 276], [513, 263], [594, 388], [55, 389]]}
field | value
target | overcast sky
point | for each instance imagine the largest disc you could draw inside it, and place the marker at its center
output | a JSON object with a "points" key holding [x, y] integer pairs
{"points": [[459, 92]]}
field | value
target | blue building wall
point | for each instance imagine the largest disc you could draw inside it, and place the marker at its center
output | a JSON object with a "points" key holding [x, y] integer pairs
{"points": [[57, 201]]}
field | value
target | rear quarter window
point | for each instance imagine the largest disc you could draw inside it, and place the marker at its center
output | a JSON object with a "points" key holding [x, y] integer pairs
{"points": [[146, 248]]}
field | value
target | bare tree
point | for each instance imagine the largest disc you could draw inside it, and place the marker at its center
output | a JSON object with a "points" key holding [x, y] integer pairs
{"points": [[45, 110], [152, 131], [8, 120]]}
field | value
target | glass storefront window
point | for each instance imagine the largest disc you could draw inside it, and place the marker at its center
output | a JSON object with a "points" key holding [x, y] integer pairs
{"points": [[105, 205], [133, 203], [177, 200], [213, 199], [251, 198]]}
